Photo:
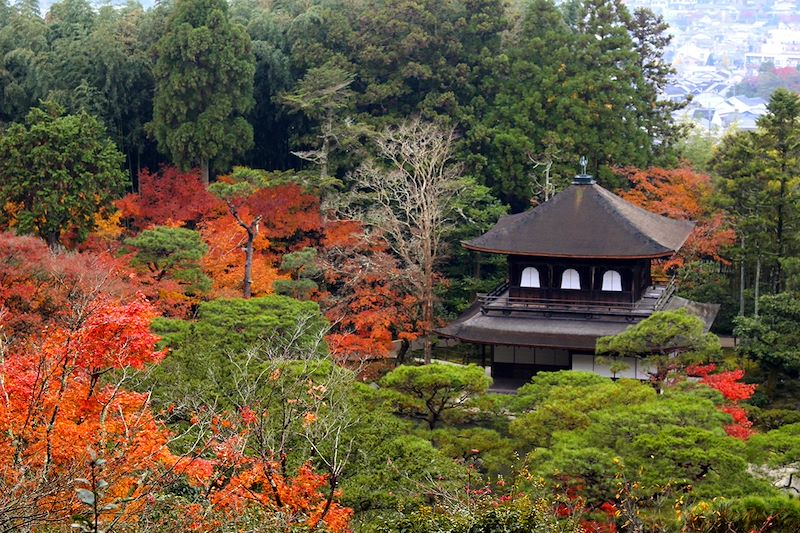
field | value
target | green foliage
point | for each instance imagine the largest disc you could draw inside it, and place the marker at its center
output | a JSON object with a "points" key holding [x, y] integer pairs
{"points": [[568, 406], [172, 253], [393, 470], [759, 189], [771, 339], [703, 282], [200, 361], [521, 515], [475, 210], [61, 170], [666, 339], [745, 514], [544, 384], [204, 86], [485, 449], [697, 148], [669, 443], [302, 267], [779, 447], [432, 391]]}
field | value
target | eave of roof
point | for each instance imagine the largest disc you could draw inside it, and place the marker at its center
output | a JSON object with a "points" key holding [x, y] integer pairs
{"points": [[567, 333], [469, 246]]}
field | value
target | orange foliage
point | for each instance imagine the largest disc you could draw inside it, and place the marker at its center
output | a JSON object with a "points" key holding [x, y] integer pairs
{"points": [[169, 197], [684, 195], [290, 217], [224, 262], [53, 407], [366, 302], [300, 498]]}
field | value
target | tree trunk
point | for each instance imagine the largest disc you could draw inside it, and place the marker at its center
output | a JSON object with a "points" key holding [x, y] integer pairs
{"points": [[248, 264], [427, 310], [52, 239], [741, 288], [204, 174], [326, 148], [756, 290], [401, 353]]}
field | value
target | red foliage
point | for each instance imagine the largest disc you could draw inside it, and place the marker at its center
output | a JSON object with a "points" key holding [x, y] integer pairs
{"points": [[684, 195], [594, 526], [700, 371], [729, 385], [169, 197], [36, 283], [742, 426]]}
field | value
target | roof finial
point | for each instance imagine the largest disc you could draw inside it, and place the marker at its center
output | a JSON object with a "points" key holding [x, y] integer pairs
{"points": [[583, 178]]}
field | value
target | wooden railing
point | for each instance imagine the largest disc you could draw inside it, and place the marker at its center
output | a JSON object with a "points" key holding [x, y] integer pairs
{"points": [[666, 295], [499, 301], [490, 302]]}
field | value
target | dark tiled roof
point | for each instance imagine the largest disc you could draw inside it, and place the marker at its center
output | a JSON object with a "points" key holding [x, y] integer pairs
{"points": [[585, 221], [576, 333]]}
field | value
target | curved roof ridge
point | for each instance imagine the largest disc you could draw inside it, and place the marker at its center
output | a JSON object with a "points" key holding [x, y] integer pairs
{"points": [[585, 221], [620, 205]]}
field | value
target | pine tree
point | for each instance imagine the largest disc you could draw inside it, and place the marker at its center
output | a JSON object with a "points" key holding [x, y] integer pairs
{"points": [[204, 86]]}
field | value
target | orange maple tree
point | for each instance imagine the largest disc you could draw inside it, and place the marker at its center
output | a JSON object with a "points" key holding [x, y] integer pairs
{"points": [[77, 447], [682, 194], [365, 300], [55, 407], [225, 260], [237, 484]]}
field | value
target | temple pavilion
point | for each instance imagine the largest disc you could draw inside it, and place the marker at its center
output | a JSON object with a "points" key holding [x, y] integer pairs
{"points": [[579, 268]]}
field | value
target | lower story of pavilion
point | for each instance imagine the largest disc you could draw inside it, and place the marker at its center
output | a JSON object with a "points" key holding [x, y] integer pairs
{"points": [[519, 345]]}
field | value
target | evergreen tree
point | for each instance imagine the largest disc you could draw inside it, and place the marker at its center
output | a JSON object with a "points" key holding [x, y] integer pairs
{"points": [[759, 173], [57, 172], [650, 38], [600, 110], [204, 85], [779, 133], [525, 116]]}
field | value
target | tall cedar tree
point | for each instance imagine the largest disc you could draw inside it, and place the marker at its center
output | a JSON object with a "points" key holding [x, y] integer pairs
{"points": [[204, 86], [759, 188]]}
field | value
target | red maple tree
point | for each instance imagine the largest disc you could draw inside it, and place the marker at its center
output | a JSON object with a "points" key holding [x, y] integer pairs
{"points": [[168, 197], [728, 383]]}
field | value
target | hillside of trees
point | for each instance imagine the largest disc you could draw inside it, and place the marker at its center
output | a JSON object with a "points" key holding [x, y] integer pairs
{"points": [[228, 232]]}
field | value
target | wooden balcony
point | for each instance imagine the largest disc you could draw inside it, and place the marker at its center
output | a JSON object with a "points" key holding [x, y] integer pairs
{"points": [[585, 303]]}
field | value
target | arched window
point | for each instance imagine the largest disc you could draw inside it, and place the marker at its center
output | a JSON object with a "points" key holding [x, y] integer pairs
{"points": [[570, 279], [612, 281], [530, 278]]}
